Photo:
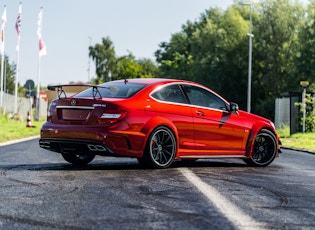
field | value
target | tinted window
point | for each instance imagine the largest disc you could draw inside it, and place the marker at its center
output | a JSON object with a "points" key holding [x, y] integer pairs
{"points": [[114, 90], [202, 97], [171, 93]]}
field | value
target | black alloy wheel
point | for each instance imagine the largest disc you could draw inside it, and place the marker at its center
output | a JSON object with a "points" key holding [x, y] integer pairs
{"points": [[160, 148], [265, 149]]}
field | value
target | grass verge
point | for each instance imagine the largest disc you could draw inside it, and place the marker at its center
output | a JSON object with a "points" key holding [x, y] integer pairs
{"points": [[304, 141], [12, 129]]}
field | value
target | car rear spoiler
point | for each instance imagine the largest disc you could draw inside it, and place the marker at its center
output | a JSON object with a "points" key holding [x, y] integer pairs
{"points": [[62, 94]]}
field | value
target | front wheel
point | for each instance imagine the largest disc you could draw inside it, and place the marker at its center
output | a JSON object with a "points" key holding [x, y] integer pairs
{"points": [[160, 149], [78, 159], [265, 149]]}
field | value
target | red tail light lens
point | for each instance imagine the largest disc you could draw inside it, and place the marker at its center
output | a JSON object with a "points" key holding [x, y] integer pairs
{"points": [[111, 116], [51, 110]]}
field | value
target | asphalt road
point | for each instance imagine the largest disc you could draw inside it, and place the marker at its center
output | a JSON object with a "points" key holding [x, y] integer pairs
{"points": [[39, 190]]}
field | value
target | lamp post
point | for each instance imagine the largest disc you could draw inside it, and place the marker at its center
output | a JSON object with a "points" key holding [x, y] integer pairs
{"points": [[250, 35]]}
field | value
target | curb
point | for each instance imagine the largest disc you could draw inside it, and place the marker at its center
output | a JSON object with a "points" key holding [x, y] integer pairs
{"points": [[300, 150], [19, 140]]}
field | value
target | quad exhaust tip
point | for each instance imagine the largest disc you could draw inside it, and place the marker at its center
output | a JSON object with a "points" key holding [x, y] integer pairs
{"points": [[97, 148]]}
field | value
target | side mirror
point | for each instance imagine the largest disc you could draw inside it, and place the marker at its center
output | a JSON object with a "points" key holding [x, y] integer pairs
{"points": [[233, 107]]}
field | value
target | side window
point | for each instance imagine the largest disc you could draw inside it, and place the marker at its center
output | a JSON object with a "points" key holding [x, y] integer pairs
{"points": [[202, 97], [171, 93]]}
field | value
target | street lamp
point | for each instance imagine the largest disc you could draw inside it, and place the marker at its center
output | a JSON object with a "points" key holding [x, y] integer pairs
{"points": [[250, 35]]}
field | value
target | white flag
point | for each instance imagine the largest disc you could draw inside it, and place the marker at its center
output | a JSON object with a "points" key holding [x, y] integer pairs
{"points": [[42, 46], [4, 19], [18, 26]]}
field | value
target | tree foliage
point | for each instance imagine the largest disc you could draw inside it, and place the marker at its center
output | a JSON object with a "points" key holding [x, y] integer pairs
{"points": [[214, 51], [109, 66], [309, 113], [9, 76], [105, 59]]}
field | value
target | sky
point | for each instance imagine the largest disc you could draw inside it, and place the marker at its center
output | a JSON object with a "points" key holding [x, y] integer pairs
{"points": [[70, 27]]}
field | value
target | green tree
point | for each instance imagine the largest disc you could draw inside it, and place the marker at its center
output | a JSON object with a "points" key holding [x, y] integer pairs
{"points": [[9, 76], [110, 67], [276, 44], [305, 59], [149, 69], [309, 113], [209, 51], [214, 51], [105, 60], [174, 58], [127, 67], [220, 53]]}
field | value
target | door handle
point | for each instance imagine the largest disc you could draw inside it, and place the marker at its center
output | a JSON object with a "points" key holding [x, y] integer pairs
{"points": [[200, 113]]}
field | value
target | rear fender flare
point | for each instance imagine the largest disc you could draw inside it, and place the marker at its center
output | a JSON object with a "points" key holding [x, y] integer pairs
{"points": [[151, 124]]}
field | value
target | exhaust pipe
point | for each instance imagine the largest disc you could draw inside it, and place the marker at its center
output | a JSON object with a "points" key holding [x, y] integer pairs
{"points": [[97, 148]]}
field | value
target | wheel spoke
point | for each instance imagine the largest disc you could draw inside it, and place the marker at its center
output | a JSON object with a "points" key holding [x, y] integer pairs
{"points": [[265, 148], [162, 148]]}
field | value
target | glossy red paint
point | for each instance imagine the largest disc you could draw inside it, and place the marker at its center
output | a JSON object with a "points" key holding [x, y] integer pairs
{"points": [[156, 121]]}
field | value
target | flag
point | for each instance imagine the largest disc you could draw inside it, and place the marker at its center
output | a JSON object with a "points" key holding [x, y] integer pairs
{"points": [[42, 46], [18, 21], [4, 19], [18, 26]]}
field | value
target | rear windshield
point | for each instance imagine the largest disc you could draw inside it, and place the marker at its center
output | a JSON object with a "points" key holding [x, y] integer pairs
{"points": [[113, 90]]}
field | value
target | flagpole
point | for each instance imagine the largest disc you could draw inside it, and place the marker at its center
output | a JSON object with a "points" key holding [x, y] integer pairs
{"points": [[18, 30], [38, 89], [42, 51], [4, 18], [39, 33]]}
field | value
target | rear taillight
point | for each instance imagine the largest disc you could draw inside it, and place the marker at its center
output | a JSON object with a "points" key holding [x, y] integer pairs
{"points": [[111, 116], [51, 110]]}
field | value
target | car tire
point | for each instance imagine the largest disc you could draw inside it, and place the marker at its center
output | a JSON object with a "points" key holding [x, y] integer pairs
{"points": [[264, 150], [160, 149], [78, 159]]}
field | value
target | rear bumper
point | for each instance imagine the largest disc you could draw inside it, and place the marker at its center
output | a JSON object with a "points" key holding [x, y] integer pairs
{"points": [[97, 140], [75, 146]]}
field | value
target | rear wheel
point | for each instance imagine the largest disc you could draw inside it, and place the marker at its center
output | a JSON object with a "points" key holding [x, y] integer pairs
{"points": [[160, 149], [265, 149], [78, 159]]}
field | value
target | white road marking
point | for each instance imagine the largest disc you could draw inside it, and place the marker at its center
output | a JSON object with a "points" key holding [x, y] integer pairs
{"points": [[237, 217]]}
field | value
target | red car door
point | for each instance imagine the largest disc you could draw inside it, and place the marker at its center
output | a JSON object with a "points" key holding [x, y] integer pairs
{"points": [[217, 131], [172, 105]]}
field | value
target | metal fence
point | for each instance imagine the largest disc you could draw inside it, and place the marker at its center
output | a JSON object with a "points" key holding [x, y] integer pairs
{"points": [[24, 105], [282, 112]]}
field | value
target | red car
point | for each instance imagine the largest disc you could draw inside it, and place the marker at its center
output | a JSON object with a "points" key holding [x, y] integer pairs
{"points": [[156, 121]]}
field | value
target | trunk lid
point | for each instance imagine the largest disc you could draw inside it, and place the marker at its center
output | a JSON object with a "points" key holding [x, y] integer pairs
{"points": [[83, 111]]}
